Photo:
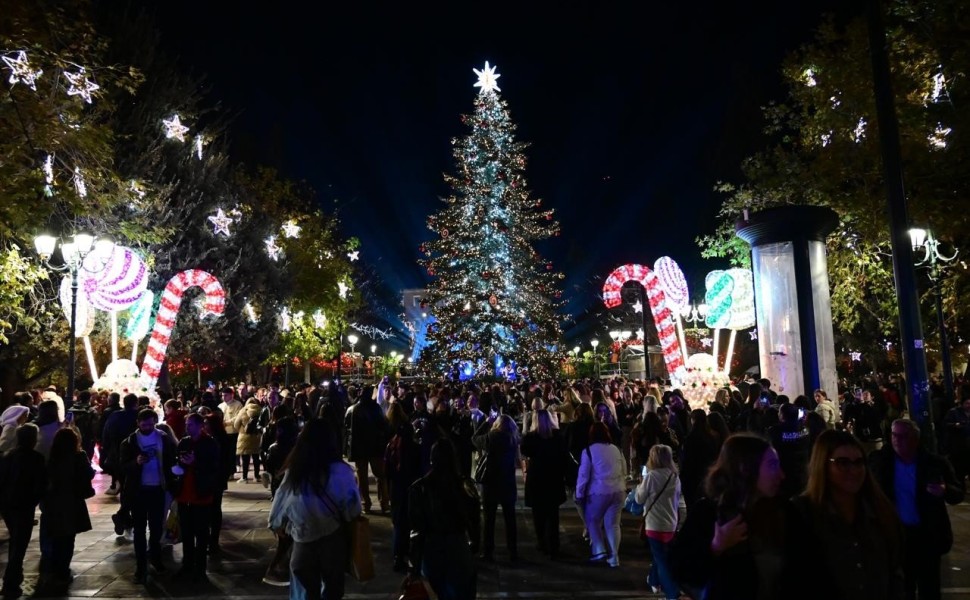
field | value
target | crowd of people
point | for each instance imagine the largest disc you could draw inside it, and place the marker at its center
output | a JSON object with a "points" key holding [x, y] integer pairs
{"points": [[736, 497]]}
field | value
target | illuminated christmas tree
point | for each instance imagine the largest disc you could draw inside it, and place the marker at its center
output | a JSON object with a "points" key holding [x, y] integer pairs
{"points": [[495, 300]]}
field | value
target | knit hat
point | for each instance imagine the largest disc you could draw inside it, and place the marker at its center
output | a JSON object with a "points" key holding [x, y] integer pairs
{"points": [[13, 414]]}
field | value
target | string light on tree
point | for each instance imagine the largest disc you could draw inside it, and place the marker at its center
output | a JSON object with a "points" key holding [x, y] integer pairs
{"points": [[81, 85], [274, 251], [286, 321], [937, 139], [174, 130], [343, 289], [20, 70], [859, 133], [250, 312], [79, 184], [319, 319], [199, 145], [49, 175], [808, 75], [371, 331], [939, 87], [220, 223], [291, 229]]}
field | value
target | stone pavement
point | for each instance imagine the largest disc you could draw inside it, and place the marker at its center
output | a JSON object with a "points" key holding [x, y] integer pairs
{"points": [[104, 563]]}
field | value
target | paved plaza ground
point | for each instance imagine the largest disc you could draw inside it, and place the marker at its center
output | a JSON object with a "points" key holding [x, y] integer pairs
{"points": [[104, 563]]}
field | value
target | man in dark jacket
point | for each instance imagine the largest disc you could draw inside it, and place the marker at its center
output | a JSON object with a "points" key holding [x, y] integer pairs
{"points": [[367, 433], [791, 440], [23, 480], [111, 441], [920, 485], [198, 462], [147, 457]]}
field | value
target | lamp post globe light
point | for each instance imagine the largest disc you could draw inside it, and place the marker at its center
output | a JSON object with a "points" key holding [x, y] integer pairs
{"points": [[596, 360], [923, 240], [72, 256], [352, 340]]}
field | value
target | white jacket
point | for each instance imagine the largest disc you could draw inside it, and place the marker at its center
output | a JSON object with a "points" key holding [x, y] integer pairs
{"points": [[605, 474], [663, 515], [307, 516]]}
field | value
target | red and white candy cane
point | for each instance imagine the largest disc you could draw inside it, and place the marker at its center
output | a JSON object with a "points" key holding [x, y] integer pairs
{"points": [[662, 314], [215, 303]]}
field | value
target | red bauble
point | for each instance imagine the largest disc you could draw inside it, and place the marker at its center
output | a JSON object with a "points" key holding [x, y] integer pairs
{"points": [[558, 294], [548, 266], [548, 216], [431, 272], [486, 274]]}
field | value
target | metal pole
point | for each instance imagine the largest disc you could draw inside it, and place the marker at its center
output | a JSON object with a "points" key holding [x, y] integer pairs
{"points": [[910, 324], [73, 341]]}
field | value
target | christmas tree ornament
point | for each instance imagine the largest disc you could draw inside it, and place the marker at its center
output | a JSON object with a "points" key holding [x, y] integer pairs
{"points": [[80, 85], [174, 130], [342, 290], [353, 255], [272, 249], [220, 223], [20, 70]]}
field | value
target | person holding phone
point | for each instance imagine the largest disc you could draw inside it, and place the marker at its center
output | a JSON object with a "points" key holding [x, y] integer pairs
{"points": [[740, 539]]}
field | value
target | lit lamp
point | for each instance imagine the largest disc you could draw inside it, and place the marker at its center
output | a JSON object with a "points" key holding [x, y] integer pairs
{"points": [[594, 343], [72, 255], [352, 340], [923, 239]]}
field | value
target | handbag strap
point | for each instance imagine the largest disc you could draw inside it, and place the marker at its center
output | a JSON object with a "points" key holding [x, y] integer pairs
{"points": [[659, 494]]}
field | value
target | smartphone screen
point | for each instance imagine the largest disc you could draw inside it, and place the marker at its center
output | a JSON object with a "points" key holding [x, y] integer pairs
{"points": [[643, 471]]}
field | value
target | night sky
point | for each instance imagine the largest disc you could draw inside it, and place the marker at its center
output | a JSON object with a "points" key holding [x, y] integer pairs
{"points": [[632, 113]]}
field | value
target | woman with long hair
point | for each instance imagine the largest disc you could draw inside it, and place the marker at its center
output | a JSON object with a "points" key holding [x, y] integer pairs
{"points": [[216, 429], [698, 453], [64, 513], [739, 540], [600, 490], [317, 497], [852, 529], [498, 438], [443, 510], [659, 492], [402, 466], [545, 479]]}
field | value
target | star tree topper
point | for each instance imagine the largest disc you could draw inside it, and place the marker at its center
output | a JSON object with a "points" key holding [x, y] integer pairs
{"points": [[487, 79], [220, 223], [81, 85], [174, 130]]}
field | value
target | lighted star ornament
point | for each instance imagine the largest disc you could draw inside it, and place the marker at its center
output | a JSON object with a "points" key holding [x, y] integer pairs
{"points": [[20, 70], [487, 79], [343, 288], [638, 307], [274, 251], [353, 255], [291, 229], [220, 223], [81, 85], [174, 130]]}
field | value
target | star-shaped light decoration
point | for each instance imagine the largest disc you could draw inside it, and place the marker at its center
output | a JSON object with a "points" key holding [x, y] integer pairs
{"points": [[79, 185], [199, 142], [48, 169], [174, 130], [855, 356], [286, 321], [638, 307], [343, 288], [220, 223], [640, 334], [20, 70], [353, 255], [707, 342], [81, 85], [319, 319], [274, 251], [487, 79], [754, 334], [137, 188], [250, 312], [291, 229]]}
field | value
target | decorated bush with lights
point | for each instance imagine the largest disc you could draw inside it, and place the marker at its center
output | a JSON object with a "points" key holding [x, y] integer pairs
{"points": [[493, 297], [702, 380]]}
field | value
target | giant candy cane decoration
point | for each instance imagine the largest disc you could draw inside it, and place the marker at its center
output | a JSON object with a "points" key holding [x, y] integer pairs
{"points": [[663, 317], [215, 302]]}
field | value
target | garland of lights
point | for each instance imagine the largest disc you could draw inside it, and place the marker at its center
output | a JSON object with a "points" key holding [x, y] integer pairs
{"points": [[371, 331]]}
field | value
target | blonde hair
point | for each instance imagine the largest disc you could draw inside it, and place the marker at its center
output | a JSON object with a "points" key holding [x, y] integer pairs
{"points": [[542, 423], [661, 457]]}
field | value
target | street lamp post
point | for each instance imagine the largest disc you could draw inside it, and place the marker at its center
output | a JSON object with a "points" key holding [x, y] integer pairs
{"points": [[352, 340], [596, 358], [923, 240], [72, 253]]}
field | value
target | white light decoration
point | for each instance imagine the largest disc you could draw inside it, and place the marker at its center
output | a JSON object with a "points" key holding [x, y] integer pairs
{"points": [[174, 130], [286, 321], [81, 85], [220, 223], [353, 255], [487, 79], [250, 312], [274, 251], [20, 70], [754, 334], [202, 305], [291, 229], [199, 144], [939, 87], [298, 316], [637, 307], [855, 356], [640, 334], [937, 139], [49, 175], [319, 319], [342, 289], [137, 188], [707, 342], [79, 185], [826, 139], [834, 100], [859, 133], [808, 76], [371, 331]]}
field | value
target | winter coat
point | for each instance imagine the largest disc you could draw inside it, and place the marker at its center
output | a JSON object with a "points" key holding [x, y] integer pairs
{"points": [[502, 454], [247, 443], [63, 510], [23, 480], [601, 471], [660, 492], [545, 482], [132, 470], [367, 431]]}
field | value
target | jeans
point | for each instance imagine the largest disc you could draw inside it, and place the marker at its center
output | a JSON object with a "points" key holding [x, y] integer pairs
{"points": [[321, 561], [660, 574], [148, 508], [603, 517]]}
